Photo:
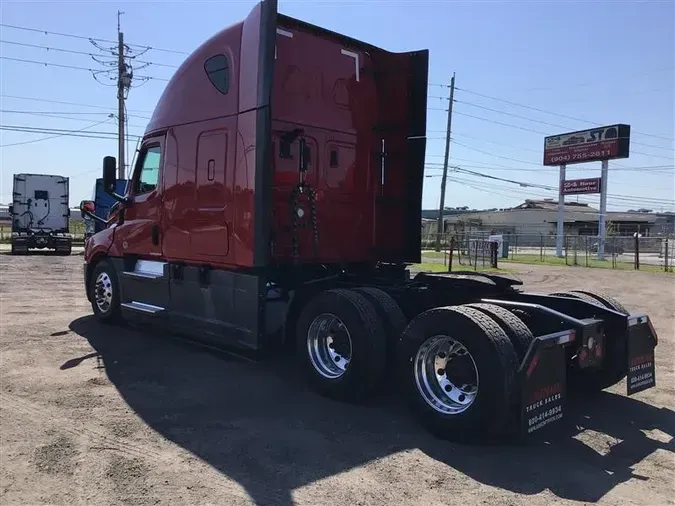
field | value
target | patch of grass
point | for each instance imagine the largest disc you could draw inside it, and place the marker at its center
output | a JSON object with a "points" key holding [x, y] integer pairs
{"points": [[433, 254], [439, 267], [581, 262]]}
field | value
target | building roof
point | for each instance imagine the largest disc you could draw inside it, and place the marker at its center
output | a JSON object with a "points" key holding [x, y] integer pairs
{"points": [[550, 204]]}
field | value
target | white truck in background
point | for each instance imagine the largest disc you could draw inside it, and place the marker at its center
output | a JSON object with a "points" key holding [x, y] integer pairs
{"points": [[40, 214]]}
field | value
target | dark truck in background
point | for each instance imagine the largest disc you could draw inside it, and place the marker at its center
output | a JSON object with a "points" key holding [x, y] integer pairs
{"points": [[40, 214], [292, 219]]}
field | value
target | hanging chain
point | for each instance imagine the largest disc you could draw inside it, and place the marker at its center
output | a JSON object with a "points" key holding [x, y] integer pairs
{"points": [[300, 189]]}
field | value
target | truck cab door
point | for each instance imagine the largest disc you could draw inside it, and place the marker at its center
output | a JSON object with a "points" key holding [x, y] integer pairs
{"points": [[139, 233], [144, 274]]}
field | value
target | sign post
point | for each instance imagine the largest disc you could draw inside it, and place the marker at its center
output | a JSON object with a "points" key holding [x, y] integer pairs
{"points": [[599, 144], [602, 227], [560, 233]]}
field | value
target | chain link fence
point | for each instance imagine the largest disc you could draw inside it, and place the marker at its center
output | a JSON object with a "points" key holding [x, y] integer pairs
{"points": [[473, 249]]}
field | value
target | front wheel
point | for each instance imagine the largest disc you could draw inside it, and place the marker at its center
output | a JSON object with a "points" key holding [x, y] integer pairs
{"points": [[341, 344], [104, 292]]}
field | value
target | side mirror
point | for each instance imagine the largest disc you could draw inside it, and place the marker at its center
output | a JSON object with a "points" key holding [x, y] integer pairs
{"points": [[109, 174], [87, 208], [110, 178], [10, 210]]}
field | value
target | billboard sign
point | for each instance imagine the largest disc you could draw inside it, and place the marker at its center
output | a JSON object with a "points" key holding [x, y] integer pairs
{"points": [[578, 186], [592, 145]]}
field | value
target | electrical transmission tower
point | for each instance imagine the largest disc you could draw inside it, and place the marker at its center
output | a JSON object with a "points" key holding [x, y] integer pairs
{"points": [[120, 73]]}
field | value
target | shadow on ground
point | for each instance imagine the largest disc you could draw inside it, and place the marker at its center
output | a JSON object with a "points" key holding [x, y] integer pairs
{"points": [[259, 425]]}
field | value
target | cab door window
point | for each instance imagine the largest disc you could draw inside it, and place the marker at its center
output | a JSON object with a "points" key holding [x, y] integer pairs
{"points": [[149, 174]]}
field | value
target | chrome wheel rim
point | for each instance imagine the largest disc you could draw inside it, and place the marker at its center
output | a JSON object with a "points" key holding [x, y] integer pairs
{"points": [[103, 292], [329, 345], [446, 375]]}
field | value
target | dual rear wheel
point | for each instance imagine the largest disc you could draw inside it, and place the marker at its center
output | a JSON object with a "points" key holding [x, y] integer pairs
{"points": [[457, 365]]}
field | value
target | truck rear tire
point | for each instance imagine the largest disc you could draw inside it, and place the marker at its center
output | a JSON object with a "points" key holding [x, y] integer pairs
{"points": [[390, 314], [104, 293], [467, 400], [341, 344], [18, 250], [605, 300], [615, 364], [519, 334], [66, 251]]}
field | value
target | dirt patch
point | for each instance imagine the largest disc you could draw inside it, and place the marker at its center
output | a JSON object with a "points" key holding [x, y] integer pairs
{"points": [[55, 457], [111, 415], [98, 381], [128, 477]]}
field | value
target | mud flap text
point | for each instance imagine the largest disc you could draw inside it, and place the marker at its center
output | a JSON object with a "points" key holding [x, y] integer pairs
{"points": [[641, 370], [544, 389]]}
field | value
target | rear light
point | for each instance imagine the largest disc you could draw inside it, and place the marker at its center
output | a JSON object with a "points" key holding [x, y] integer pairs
{"points": [[568, 337], [653, 331], [533, 364]]}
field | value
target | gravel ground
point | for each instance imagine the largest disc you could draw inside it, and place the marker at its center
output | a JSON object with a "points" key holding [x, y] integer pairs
{"points": [[112, 415]]}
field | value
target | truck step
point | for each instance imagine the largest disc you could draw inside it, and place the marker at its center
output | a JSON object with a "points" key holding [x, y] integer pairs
{"points": [[142, 307], [146, 269]]}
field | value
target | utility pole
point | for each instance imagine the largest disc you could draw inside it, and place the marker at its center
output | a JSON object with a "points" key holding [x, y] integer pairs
{"points": [[441, 207], [122, 79]]}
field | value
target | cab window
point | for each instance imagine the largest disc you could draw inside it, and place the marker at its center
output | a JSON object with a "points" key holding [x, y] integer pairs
{"points": [[149, 176]]}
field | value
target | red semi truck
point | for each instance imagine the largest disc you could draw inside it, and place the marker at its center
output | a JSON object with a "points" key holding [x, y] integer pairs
{"points": [[277, 199]]}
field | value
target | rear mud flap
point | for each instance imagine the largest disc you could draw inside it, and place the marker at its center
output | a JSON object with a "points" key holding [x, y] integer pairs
{"points": [[642, 340], [543, 379]]}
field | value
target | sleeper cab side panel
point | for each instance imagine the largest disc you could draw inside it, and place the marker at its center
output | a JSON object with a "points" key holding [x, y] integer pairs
{"points": [[198, 208]]}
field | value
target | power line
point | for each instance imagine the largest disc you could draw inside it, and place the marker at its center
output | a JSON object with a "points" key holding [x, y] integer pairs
{"points": [[492, 154], [30, 129], [511, 125], [73, 133], [582, 85], [644, 170], [14, 111], [84, 53], [73, 67], [55, 114], [538, 151], [620, 197], [525, 106], [81, 37], [547, 123], [78, 104]]}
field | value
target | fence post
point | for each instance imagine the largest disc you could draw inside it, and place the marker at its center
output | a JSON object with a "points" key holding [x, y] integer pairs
{"points": [[665, 254], [452, 250], [636, 263], [541, 247], [493, 254], [576, 250]]}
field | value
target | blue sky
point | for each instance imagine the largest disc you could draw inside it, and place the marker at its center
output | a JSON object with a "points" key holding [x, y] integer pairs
{"points": [[601, 61]]}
